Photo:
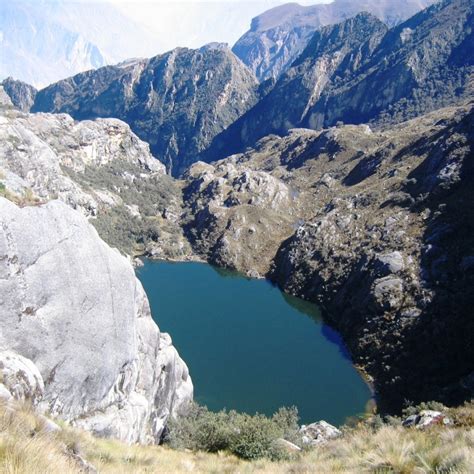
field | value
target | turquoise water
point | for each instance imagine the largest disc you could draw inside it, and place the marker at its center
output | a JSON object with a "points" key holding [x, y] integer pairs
{"points": [[251, 348]]}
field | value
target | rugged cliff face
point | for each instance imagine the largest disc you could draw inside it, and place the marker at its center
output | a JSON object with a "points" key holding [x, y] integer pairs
{"points": [[77, 334], [22, 95], [177, 102], [278, 36], [374, 226], [237, 216], [355, 72], [98, 167]]}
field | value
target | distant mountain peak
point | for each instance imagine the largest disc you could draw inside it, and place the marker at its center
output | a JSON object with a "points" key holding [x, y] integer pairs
{"points": [[359, 71], [58, 39], [215, 45], [279, 35]]}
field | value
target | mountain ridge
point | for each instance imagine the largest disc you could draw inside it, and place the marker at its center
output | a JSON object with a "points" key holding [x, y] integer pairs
{"points": [[177, 101], [279, 35], [400, 74]]}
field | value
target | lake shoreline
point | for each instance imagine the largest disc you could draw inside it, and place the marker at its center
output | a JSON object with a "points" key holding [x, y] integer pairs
{"points": [[302, 307]]}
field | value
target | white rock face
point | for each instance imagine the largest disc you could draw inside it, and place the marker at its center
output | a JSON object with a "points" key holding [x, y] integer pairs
{"points": [[318, 433], [427, 418], [72, 309], [20, 378], [36, 150]]}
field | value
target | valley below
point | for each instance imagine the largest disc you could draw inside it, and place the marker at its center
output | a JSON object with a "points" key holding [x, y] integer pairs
{"points": [[362, 222], [193, 243]]}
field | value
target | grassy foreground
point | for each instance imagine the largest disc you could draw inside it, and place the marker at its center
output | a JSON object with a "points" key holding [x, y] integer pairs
{"points": [[26, 446]]}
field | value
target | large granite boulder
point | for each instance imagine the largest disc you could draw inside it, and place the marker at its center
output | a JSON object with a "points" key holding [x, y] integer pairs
{"points": [[72, 310], [20, 378]]}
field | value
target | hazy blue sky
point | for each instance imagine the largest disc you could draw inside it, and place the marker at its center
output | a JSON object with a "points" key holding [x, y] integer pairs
{"points": [[195, 22]]}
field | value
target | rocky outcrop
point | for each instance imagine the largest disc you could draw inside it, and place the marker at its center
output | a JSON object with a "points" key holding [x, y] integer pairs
{"points": [[256, 210], [318, 433], [359, 72], [22, 95], [98, 167], [426, 418], [58, 143], [82, 345], [278, 36], [374, 226], [20, 379], [177, 101]]}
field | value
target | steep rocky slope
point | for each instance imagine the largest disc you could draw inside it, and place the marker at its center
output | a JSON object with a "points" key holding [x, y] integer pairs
{"points": [[278, 36], [177, 102], [82, 345], [22, 95], [356, 72], [374, 226], [98, 167], [237, 216]]}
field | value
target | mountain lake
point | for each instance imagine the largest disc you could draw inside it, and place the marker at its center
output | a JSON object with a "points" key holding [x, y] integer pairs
{"points": [[250, 347]]}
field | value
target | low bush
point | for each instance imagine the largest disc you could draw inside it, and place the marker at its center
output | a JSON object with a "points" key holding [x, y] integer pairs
{"points": [[247, 436], [414, 409], [126, 232], [255, 438]]}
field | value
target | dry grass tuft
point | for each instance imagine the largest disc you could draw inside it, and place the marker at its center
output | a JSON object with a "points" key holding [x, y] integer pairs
{"points": [[25, 447]]}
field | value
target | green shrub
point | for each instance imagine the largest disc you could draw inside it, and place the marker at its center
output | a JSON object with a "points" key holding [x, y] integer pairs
{"points": [[152, 194], [124, 231], [287, 420], [376, 422], [255, 437], [201, 430], [414, 409], [246, 436], [393, 421]]}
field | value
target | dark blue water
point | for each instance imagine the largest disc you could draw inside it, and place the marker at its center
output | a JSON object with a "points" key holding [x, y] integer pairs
{"points": [[251, 348]]}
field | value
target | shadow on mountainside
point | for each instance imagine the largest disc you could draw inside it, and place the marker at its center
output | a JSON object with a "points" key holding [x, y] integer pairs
{"points": [[437, 361]]}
